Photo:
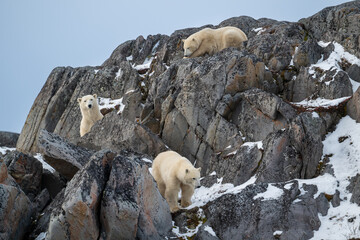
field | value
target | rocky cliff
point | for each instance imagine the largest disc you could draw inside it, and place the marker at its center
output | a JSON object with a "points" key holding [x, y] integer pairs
{"points": [[255, 119]]}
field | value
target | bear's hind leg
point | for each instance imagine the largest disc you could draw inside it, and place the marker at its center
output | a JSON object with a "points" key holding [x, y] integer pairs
{"points": [[186, 194], [162, 189], [171, 197]]}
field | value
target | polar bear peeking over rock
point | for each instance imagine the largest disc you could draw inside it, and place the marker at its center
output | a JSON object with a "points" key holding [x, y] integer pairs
{"points": [[211, 41], [90, 112], [173, 172]]}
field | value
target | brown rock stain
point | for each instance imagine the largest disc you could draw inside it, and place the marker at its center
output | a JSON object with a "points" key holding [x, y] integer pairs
{"points": [[3, 173]]}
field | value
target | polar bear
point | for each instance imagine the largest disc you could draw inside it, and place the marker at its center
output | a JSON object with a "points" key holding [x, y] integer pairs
{"points": [[90, 112], [173, 172], [211, 41]]}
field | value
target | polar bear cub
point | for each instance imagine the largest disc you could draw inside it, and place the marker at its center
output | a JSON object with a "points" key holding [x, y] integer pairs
{"points": [[211, 41], [173, 173], [90, 112]]}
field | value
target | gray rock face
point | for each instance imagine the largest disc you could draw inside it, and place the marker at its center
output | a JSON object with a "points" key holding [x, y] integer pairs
{"points": [[124, 134], [354, 72], [237, 167], [115, 197], [297, 220], [53, 182], [330, 85], [81, 201], [26, 171], [132, 203], [294, 152], [65, 157], [354, 189], [43, 219], [15, 207], [353, 108], [339, 23], [307, 53], [8, 139]]}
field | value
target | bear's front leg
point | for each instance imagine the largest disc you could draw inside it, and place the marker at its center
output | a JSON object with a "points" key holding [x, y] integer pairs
{"points": [[186, 193], [171, 197]]}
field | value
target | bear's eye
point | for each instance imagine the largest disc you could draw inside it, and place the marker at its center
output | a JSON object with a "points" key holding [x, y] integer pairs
{"points": [[194, 178], [85, 101]]}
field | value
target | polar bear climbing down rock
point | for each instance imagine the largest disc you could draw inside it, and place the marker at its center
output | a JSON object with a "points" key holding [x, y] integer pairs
{"points": [[211, 41], [173, 173], [90, 112]]}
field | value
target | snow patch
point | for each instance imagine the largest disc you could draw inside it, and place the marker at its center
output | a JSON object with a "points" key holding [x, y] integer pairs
{"points": [[41, 236], [250, 145], [146, 64], [272, 193], [119, 73], [109, 103], [292, 59], [45, 165], [203, 195], [213, 173], [146, 160], [4, 150], [315, 115], [210, 230], [259, 30], [320, 102], [343, 147]]}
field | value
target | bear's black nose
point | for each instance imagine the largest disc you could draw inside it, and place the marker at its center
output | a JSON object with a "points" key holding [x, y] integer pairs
{"points": [[89, 105]]}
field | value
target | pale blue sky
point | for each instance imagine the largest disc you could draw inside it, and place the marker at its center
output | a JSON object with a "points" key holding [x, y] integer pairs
{"points": [[39, 35]]}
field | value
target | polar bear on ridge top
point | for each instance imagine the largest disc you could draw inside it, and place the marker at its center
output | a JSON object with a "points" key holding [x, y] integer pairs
{"points": [[211, 41]]}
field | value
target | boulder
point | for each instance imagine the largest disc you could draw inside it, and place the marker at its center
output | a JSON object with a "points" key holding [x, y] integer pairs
{"points": [[264, 216], [27, 172], [354, 189], [354, 72], [15, 207], [338, 23], [82, 197], [353, 108], [329, 84], [8, 139], [53, 182], [63, 156], [236, 165], [307, 53], [293, 152], [41, 223], [132, 207], [117, 133]]}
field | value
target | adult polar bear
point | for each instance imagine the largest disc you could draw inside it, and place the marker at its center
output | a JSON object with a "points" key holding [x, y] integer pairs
{"points": [[173, 172], [211, 41], [90, 112]]}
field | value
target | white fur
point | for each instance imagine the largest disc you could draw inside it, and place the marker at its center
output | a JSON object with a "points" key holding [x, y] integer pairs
{"points": [[173, 172], [90, 113]]}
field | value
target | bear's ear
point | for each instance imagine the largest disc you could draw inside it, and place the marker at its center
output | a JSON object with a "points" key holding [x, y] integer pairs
{"points": [[199, 169], [95, 96], [183, 40], [186, 170], [79, 100]]}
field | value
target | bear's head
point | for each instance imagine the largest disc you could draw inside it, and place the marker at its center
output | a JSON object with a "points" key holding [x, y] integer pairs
{"points": [[192, 177], [191, 44], [88, 101]]}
